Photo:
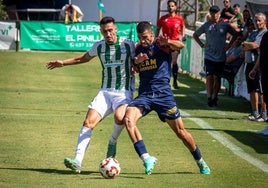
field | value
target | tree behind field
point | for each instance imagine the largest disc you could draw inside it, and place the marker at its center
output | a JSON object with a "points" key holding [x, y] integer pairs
{"points": [[3, 13]]}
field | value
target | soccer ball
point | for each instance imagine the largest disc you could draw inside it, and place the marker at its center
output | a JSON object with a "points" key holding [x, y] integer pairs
{"points": [[109, 168]]}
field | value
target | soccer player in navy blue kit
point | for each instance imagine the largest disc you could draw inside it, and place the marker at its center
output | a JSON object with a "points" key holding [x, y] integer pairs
{"points": [[153, 62]]}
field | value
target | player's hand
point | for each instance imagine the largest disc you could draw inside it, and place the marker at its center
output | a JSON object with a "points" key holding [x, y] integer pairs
{"points": [[163, 40], [140, 58], [54, 64]]}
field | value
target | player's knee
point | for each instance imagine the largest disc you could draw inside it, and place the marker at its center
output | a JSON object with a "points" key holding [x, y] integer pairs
{"points": [[119, 119], [89, 124]]}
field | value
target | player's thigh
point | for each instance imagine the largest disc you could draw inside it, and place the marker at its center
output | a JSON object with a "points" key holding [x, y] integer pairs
{"points": [[101, 104], [133, 114], [120, 101]]}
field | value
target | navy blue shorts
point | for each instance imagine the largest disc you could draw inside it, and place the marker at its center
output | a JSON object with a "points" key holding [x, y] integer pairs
{"points": [[163, 102], [213, 68]]}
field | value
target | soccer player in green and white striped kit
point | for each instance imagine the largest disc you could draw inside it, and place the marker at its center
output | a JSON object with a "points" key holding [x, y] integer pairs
{"points": [[116, 55]]}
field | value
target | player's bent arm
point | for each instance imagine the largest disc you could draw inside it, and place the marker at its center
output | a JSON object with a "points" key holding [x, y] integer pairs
{"points": [[175, 44], [197, 39], [250, 45]]}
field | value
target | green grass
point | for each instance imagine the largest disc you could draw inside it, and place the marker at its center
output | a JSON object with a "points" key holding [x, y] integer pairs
{"points": [[41, 113]]}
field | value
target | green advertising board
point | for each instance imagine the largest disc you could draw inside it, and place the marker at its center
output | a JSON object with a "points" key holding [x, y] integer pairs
{"points": [[78, 36], [186, 54]]}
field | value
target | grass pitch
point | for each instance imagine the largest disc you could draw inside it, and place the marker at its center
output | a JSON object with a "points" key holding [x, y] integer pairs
{"points": [[41, 113]]}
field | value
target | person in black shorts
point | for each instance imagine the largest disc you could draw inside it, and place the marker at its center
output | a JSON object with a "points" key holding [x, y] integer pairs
{"points": [[251, 47], [262, 66]]}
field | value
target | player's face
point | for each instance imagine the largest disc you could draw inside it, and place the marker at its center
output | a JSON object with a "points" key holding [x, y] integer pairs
{"points": [[146, 38], [226, 3], [215, 16], [171, 7], [109, 32]]}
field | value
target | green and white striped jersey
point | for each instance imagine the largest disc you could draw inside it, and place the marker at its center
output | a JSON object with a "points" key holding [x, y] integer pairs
{"points": [[116, 63]]}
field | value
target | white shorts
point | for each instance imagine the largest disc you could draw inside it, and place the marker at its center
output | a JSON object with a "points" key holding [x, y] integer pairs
{"points": [[106, 101]]}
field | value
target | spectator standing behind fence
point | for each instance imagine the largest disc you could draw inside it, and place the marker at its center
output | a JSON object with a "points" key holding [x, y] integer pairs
{"points": [[250, 46], [237, 21], [227, 12], [172, 25], [246, 16], [116, 56], [262, 66], [215, 51]]}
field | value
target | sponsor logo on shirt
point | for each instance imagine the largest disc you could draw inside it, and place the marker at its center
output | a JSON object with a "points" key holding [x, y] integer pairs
{"points": [[147, 65]]}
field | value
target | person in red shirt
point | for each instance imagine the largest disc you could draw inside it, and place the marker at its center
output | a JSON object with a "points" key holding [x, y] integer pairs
{"points": [[172, 25]]}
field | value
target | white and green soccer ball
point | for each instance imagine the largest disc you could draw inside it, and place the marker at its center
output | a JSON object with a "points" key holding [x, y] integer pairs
{"points": [[109, 168]]}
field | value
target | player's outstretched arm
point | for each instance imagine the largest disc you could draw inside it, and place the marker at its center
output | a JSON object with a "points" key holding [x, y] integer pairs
{"points": [[173, 44], [72, 61]]}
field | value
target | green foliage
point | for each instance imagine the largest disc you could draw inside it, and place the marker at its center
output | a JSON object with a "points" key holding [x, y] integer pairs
{"points": [[3, 13]]}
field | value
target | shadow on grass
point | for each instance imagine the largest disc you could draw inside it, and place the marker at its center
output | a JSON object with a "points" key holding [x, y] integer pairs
{"points": [[51, 171], [189, 98], [252, 139], [95, 173]]}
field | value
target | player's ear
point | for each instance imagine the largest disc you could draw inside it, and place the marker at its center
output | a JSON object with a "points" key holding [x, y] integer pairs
{"points": [[101, 30]]}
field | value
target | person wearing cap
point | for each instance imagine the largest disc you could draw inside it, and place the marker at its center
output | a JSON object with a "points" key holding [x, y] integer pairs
{"points": [[215, 47]]}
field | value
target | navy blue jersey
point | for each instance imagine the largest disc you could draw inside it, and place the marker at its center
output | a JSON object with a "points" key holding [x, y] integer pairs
{"points": [[155, 72]]}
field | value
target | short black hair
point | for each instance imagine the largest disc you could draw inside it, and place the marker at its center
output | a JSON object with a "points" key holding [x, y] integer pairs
{"points": [[173, 1], [214, 9], [143, 26], [107, 19], [236, 5]]}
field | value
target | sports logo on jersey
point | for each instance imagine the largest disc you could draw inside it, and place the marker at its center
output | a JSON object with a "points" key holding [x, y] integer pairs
{"points": [[172, 110], [113, 63], [123, 51]]}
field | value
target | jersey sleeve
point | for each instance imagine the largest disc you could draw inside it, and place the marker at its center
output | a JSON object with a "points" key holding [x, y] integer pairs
{"points": [[93, 51], [132, 49], [200, 30]]}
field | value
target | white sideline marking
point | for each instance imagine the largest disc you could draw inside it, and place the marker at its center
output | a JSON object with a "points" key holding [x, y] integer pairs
{"points": [[225, 142]]}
